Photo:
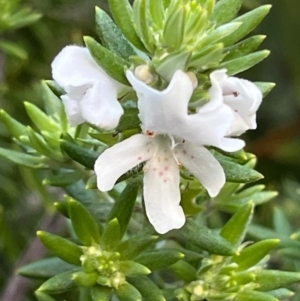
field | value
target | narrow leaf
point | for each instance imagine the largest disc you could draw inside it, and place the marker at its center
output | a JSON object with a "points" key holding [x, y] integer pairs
{"points": [[124, 206], [249, 21], [250, 256], [111, 235], [43, 297], [245, 62], [159, 259], [23, 159], [272, 279], [112, 64], [61, 247], [132, 247], [236, 228], [45, 268], [147, 288], [127, 292], [205, 239], [84, 224], [254, 296], [122, 13], [79, 154], [60, 283], [111, 36], [40, 119], [226, 10], [16, 128], [244, 47], [101, 293]]}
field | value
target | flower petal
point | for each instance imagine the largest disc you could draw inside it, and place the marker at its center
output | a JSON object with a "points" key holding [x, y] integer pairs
{"points": [[73, 111], [75, 67], [101, 107], [210, 127], [120, 158], [162, 193], [242, 96], [203, 165], [161, 111]]}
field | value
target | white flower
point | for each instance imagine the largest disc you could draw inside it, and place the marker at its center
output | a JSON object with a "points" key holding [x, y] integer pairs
{"points": [[161, 178], [242, 96], [166, 112], [171, 137], [91, 93]]}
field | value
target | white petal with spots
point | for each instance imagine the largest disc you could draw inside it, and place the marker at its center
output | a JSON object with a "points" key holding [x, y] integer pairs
{"points": [[161, 190], [118, 159], [203, 165], [243, 98]]}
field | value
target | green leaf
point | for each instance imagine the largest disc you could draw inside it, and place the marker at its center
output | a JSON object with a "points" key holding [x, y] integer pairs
{"points": [[167, 66], [147, 288], [111, 36], [235, 229], [131, 268], [43, 297], [272, 279], [184, 270], [13, 49], [39, 143], [174, 25], [281, 224], [101, 293], [40, 119], [86, 197], [132, 247], [265, 88], [23, 159], [237, 173], [122, 13], [79, 154], [111, 235], [208, 56], [249, 21], [245, 62], [157, 12], [205, 239], [281, 293], [45, 268], [159, 259], [124, 205], [16, 128], [61, 247], [219, 33], [85, 279], [112, 64], [127, 292], [53, 105], [261, 232], [55, 88], [60, 283], [252, 255], [226, 10], [84, 224], [243, 48], [254, 296], [141, 17], [129, 120], [63, 178]]}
